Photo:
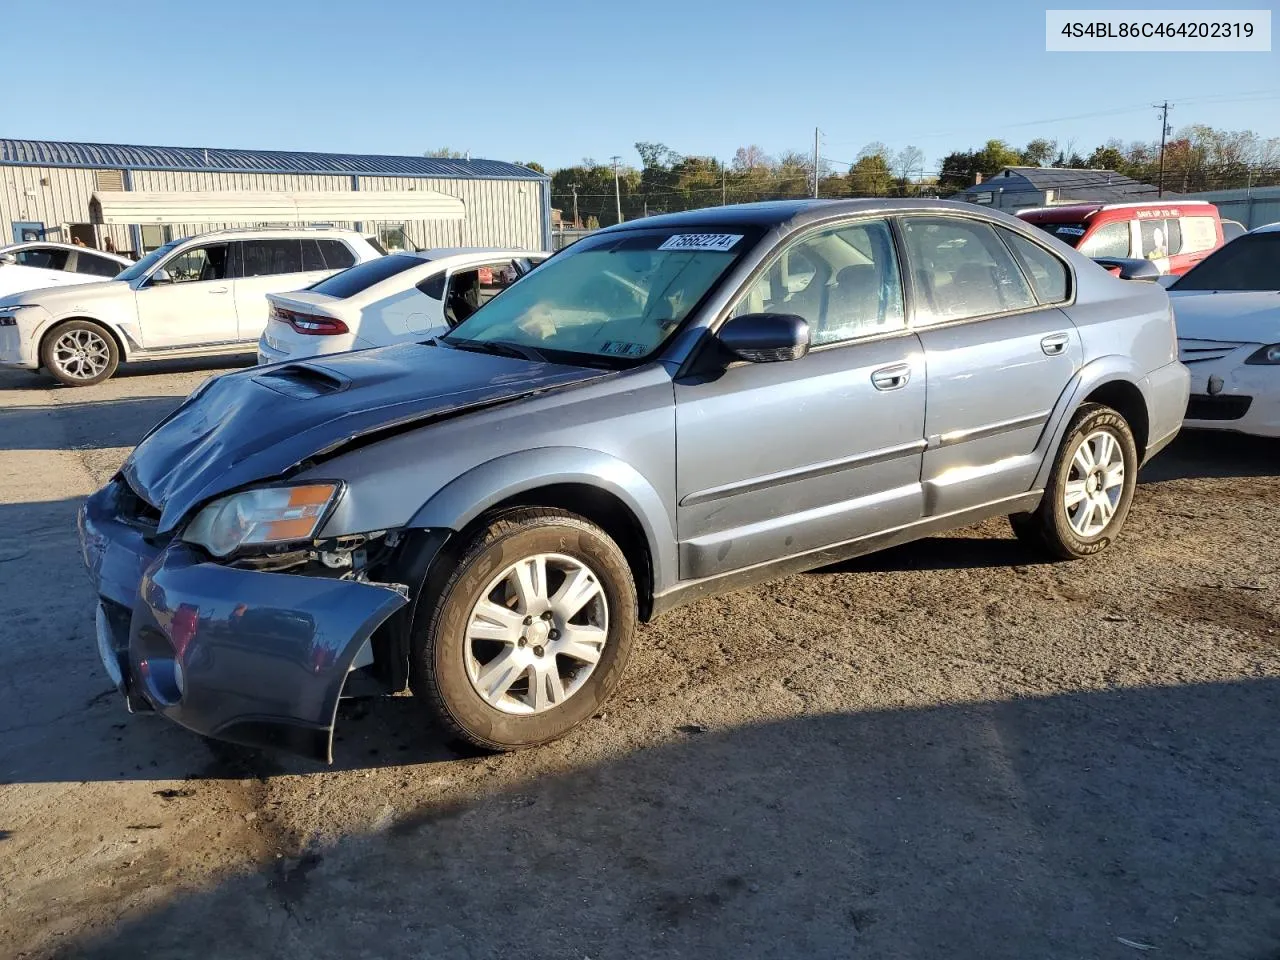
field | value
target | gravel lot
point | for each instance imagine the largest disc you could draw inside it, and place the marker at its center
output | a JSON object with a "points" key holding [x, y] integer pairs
{"points": [[948, 749]]}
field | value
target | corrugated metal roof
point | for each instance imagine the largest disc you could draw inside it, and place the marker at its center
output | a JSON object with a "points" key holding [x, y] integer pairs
{"points": [[1069, 182], [54, 153]]}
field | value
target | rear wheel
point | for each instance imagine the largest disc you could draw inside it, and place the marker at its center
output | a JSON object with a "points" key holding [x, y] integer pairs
{"points": [[1090, 489], [530, 633], [79, 353]]}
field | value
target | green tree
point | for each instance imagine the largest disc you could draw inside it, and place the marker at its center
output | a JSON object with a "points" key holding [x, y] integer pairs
{"points": [[1039, 152]]}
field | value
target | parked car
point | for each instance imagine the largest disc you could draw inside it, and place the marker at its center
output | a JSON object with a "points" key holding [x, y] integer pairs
{"points": [[1174, 235], [39, 264], [1227, 312], [193, 297], [669, 408], [404, 296]]}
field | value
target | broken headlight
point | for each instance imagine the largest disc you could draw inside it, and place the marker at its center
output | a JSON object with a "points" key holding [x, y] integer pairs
{"points": [[264, 517]]}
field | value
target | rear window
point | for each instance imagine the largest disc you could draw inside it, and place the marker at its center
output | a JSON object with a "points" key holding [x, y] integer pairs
{"points": [[1069, 233], [363, 276]]}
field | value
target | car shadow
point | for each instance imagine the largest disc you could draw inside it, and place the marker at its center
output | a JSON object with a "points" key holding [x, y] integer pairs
{"points": [[32, 380], [1089, 824], [942, 553], [1208, 453], [89, 424]]}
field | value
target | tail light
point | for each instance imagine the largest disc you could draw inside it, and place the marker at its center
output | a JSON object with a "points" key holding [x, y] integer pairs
{"points": [[309, 324]]}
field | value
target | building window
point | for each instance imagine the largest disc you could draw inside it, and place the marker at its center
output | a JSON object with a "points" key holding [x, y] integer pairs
{"points": [[155, 236]]}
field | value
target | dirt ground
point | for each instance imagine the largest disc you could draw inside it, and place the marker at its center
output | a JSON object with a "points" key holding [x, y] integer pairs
{"points": [[945, 750]]}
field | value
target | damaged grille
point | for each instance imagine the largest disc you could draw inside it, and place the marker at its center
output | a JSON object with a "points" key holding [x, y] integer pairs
{"points": [[133, 509]]}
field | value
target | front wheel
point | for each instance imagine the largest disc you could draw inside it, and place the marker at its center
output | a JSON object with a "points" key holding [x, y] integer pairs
{"points": [[1090, 489], [530, 633], [79, 353]]}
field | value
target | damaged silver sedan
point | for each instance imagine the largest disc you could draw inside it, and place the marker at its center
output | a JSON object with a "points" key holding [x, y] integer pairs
{"points": [[669, 408]]}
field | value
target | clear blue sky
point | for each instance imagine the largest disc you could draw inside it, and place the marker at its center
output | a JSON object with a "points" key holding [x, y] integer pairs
{"points": [[558, 81]]}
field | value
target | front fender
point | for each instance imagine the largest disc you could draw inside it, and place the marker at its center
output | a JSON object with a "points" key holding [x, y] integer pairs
{"points": [[1088, 378], [463, 499]]}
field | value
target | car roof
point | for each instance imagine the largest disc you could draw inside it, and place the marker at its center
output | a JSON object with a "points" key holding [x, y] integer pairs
{"points": [[267, 233], [440, 253], [1081, 211], [797, 213], [53, 245]]}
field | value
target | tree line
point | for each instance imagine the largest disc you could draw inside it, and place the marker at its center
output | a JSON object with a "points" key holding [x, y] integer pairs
{"points": [[1197, 158]]}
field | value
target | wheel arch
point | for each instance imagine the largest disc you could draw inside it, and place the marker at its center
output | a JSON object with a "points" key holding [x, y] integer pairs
{"points": [[1110, 380], [598, 487], [54, 325]]}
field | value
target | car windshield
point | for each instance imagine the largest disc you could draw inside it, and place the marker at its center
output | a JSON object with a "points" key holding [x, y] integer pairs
{"points": [[1251, 262], [149, 261], [611, 299], [1069, 233]]}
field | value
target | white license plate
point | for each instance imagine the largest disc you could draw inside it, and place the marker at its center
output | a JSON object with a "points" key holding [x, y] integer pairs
{"points": [[105, 651]]}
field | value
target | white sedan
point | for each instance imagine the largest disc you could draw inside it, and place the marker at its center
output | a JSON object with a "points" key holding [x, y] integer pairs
{"points": [[399, 297], [39, 264], [1227, 310]]}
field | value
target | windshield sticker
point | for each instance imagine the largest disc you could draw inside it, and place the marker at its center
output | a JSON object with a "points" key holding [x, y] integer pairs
{"points": [[1072, 231], [620, 348], [701, 241]]}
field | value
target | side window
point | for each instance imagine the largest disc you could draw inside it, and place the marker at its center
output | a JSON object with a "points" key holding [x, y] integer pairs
{"points": [[1047, 273], [1198, 234], [96, 266], [265, 258], [844, 281], [463, 296], [496, 277], [1155, 239], [433, 286], [1173, 235], [312, 258], [960, 269], [1109, 240], [46, 258], [337, 255], [198, 263]]}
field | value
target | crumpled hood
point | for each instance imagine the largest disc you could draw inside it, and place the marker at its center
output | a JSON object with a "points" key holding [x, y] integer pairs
{"points": [[1239, 316], [256, 424]]}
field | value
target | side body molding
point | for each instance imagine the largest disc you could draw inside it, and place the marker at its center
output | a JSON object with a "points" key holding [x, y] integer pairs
{"points": [[463, 499]]}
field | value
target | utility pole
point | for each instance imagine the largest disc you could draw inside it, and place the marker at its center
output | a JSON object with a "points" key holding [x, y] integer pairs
{"points": [[617, 189], [574, 188], [1164, 132], [816, 132], [724, 189]]}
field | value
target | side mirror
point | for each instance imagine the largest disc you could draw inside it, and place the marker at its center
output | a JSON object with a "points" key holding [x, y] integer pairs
{"points": [[766, 337], [159, 277], [1127, 268]]}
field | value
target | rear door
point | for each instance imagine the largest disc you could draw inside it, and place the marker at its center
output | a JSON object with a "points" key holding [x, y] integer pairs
{"points": [[187, 301], [275, 265], [999, 354], [780, 459]]}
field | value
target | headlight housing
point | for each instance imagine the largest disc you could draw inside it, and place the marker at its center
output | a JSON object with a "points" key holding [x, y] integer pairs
{"points": [[9, 314], [1267, 356], [262, 518]]}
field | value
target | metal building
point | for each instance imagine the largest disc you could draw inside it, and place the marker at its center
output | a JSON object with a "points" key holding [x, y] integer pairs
{"points": [[46, 189], [1252, 206]]}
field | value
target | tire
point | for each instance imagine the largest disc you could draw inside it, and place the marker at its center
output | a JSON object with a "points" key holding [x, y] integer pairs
{"points": [[455, 655], [1075, 532], [79, 353]]}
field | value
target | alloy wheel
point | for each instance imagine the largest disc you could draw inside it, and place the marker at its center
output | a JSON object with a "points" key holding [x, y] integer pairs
{"points": [[1094, 484], [536, 634], [81, 354]]}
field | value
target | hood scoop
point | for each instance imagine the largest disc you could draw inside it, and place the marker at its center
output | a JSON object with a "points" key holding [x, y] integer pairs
{"points": [[301, 381]]}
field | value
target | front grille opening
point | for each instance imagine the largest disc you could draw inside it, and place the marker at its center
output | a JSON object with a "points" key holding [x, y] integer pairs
{"points": [[134, 509], [1217, 408]]}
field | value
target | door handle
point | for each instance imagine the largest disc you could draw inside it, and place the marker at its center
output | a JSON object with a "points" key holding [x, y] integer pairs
{"points": [[892, 378], [1055, 344], [219, 289]]}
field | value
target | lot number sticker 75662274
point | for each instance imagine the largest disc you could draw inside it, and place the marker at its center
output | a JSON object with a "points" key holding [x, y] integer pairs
{"points": [[701, 241]]}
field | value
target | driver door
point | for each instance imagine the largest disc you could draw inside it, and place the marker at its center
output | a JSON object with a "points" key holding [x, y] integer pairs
{"points": [[193, 307]]}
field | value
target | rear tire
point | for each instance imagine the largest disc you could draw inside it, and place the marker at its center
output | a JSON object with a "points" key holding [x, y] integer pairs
{"points": [[1090, 488], [79, 353], [530, 633]]}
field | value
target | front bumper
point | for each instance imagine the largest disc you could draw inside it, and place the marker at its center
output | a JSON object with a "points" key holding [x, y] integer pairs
{"points": [[15, 349], [240, 655], [1248, 400]]}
